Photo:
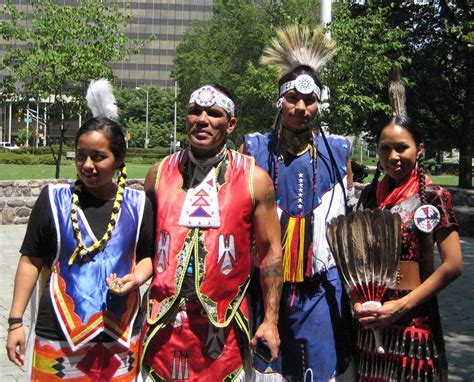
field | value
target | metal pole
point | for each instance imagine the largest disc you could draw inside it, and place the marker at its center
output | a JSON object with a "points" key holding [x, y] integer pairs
{"points": [[37, 125], [27, 124], [145, 145], [45, 125], [10, 122], [326, 16], [146, 120], [175, 114], [326, 11]]}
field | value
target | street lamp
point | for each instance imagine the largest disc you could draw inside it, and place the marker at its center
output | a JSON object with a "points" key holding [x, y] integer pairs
{"points": [[146, 117]]}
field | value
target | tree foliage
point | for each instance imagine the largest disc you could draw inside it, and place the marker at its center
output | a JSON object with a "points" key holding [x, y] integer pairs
{"points": [[438, 40], [55, 50], [430, 44], [358, 75], [132, 106], [227, 48], [441, 42]]}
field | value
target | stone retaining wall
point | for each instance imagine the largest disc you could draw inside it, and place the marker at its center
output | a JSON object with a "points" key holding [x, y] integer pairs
{"points": [[17, 197]]}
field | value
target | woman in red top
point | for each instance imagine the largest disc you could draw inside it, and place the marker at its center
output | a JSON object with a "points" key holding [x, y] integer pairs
{"points": [[409, 317]]}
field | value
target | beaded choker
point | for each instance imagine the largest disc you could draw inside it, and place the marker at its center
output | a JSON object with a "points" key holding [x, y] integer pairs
{"points": [[81, 250], [295, 142]]}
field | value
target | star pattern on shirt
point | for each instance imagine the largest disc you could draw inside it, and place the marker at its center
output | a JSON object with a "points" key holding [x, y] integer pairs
{"points": [[300, 191]]}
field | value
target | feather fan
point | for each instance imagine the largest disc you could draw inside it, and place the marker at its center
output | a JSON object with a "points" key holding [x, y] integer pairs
{"points": [[295, 46], [100, 99], [366, 246]]}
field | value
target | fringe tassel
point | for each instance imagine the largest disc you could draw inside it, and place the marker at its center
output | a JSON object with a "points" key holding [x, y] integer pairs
{"points": [[295, 238], [300, 267], [293, 250], [287, 238], [309, 263]]}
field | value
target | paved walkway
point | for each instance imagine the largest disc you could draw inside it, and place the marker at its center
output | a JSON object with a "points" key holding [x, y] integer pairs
{"points": [[456, 302]]}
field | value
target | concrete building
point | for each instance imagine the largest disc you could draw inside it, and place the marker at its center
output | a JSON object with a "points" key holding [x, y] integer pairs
{"points": [[166, 20]]}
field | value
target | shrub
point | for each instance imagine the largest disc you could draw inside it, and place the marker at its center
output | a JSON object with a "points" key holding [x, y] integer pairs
{"points": [[141, 160], [26, 159], [359, 171]]}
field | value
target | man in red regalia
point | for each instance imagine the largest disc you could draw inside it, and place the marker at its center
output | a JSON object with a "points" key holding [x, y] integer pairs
{"points": [[211, 204]]}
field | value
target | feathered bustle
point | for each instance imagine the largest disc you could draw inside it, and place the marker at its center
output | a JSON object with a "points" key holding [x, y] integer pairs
{"points": [[296, 46], [100, 99]]}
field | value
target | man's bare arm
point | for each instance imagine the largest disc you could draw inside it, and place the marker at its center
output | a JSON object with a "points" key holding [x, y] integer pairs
{"points": [[268, 241]]}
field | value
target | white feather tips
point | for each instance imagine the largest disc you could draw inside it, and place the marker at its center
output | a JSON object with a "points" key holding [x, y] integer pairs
{"points": [[296, 46], [100, 99]]}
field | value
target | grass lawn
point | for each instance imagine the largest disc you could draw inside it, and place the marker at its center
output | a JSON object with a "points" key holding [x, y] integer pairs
{"points": [[135, 171], [441, 180], [68, 171]]}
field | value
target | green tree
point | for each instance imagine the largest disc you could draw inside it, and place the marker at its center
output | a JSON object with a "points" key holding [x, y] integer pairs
{"points": [[57, 50], [442, 38], [132, 108], [23, 136], [226, 49], [358, 75], [438, 40]]}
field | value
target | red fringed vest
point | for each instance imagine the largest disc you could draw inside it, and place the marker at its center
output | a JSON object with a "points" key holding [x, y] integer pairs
{"points": [[222, 275]]}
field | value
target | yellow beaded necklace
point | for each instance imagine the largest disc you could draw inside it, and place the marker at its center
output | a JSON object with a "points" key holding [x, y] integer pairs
{"points": [[81, 250]]}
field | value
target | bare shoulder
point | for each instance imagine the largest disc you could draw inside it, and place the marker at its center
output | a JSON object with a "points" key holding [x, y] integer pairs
{"points": [[263, 186], [151, 177]]}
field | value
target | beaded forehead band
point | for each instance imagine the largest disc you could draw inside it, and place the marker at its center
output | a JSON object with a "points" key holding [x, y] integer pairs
{"points": [[207, 96], [304, 84]]}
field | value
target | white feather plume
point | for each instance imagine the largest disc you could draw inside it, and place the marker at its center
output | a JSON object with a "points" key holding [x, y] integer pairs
{"points": [[295, 46], [100, 99]]}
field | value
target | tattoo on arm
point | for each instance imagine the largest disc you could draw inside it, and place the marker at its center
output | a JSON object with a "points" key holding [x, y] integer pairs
{"points": [[272, 285], [272, 271]]}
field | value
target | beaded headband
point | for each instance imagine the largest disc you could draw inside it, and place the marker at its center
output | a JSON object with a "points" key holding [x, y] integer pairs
{"points": [[207, 96], [304, 84]]}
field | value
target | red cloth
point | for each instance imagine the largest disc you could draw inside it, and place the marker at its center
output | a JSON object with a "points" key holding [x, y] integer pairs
{"points": [[182, 349], [405, 189]]}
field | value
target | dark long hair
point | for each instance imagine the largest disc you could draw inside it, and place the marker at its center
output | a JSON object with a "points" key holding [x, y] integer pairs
{"points": [[409, 125]]}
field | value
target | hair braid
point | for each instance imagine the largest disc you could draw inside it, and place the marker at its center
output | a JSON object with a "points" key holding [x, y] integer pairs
{"points": [[373, 184], [421, 181]]}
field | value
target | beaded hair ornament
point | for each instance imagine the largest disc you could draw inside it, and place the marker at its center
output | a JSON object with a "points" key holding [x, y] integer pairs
{"points": [[207, 96], [101, 101], [295, 46]]}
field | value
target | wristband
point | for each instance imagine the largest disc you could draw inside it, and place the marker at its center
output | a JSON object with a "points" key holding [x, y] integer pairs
{"points": [[15, 320], [16, 327]]}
